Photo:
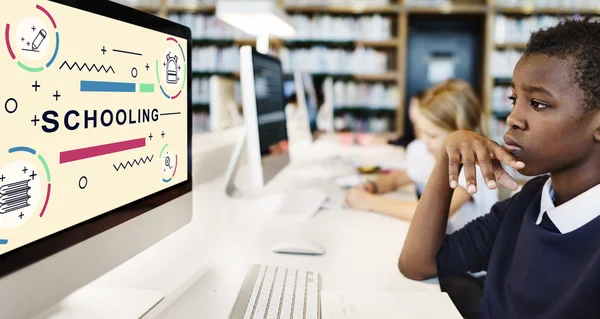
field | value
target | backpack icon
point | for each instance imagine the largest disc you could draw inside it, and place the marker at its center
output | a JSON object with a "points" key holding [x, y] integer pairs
{"points": [[172, 71]]}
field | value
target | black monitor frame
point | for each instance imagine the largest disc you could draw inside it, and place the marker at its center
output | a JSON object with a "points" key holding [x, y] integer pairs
{"points": [[54, 243]]}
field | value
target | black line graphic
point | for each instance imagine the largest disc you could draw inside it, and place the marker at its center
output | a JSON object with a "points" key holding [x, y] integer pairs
{"points": [[172, 113], [14, 196], [127, 52], [131, 164], [89, 68]]}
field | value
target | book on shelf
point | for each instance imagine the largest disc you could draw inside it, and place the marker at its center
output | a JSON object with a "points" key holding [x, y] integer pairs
{"points": [[557, 4], [368, 96]]}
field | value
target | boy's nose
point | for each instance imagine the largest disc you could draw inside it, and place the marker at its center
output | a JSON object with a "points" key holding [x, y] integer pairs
{"points": [[516, 120]]}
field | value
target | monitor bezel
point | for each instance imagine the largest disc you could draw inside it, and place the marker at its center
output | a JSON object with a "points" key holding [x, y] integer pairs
{"points": [[52, 244]]}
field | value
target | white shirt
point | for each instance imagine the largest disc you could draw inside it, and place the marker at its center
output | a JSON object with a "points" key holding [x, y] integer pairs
{"points": [[570, 215], [419, 163], [481, 204], [419, 166]]}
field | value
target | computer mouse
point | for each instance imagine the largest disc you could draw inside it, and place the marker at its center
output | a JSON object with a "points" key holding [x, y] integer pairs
{"points": [[298, 247]]}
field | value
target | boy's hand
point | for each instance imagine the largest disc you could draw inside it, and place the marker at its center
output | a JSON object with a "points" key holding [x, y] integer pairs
{"points": [[470, 149]]}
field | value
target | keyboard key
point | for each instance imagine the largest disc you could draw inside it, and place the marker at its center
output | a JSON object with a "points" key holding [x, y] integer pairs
{"points": [[254, 295], [263, 299], [280, 293], [312, 296], [277, 293], [300, 295]]}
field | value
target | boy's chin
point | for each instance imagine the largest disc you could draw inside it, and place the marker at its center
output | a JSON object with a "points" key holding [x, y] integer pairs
{"points": [[530, 171]]}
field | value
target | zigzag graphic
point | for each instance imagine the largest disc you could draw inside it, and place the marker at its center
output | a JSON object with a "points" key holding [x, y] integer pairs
{"points": [[89, 68], [136, 162]]}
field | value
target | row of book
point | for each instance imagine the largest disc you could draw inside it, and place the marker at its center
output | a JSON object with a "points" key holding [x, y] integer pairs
{"points": [[320, 59], [308, 28], [497, 128], [314, 60], [337, 2], [200, 122], [572, 4], [363, 123], [352, 94], [200, 90], [509, 29], [503, 62], [500, 99], [342, 28], [216, 59]]}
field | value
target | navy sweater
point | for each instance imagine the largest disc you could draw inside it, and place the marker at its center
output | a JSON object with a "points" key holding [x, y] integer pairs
{"points": [[531, 272]]}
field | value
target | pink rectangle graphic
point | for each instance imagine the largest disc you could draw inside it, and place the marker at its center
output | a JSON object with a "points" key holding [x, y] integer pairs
{"points": [[99, 150]]}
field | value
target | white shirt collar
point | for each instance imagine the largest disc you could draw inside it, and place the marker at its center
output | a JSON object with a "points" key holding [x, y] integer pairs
{"points": [[570, 215]]}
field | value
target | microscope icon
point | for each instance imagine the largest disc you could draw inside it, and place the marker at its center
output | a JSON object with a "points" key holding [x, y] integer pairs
{"points": [[172, 69]]}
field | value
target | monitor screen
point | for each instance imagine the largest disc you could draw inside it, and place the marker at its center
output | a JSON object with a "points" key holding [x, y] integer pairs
{"points": [[270, 105], [95, 117]]}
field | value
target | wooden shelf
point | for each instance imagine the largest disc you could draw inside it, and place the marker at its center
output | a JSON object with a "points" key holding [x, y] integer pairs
{"points": [[516, 46], [452, 9], [363, 109], [393, 43], [539, 10], [235, 75], [343, 9], [147, 8], [277, 43], [200, 8], [391, 76], [382, 77]]}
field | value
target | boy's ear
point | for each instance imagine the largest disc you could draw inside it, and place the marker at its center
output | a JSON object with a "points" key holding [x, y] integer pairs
{"points": [[596, 123]]}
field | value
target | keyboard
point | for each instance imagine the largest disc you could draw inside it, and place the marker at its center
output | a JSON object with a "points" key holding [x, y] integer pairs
{"points": [[278, 293]]}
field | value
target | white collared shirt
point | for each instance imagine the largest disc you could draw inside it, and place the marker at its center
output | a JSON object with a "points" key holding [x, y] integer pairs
{"points": [[570, 215]]}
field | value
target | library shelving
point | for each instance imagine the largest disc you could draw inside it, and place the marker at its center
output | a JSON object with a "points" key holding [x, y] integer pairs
{"points": [[498, 15]]}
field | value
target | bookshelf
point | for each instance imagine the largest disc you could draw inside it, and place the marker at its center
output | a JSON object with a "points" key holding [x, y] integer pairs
{"points": [[344, 9], [399, 13]]}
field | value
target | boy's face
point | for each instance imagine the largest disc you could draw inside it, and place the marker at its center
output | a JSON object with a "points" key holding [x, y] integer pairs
{"points": [[547, 129]]}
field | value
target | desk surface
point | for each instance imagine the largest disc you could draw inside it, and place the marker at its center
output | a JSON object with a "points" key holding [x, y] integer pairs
{"points": [[201, 267]]}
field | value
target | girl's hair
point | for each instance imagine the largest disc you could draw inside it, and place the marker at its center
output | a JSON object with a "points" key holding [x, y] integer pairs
{"points": [[453, 105]]}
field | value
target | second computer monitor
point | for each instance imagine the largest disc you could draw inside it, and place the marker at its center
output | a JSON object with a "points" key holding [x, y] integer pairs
{"points": [[264, 114]]}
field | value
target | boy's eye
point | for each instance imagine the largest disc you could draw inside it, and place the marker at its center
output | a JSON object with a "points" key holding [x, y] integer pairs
{"points": [[513, 99], [539, 105]]}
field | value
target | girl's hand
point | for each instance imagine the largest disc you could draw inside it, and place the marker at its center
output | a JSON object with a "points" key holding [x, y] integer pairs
{"points": [[468, 149], [370, 187], [358, 198]]}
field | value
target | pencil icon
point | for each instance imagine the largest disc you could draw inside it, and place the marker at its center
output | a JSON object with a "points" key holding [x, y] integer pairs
{"points": [[39, 38]]}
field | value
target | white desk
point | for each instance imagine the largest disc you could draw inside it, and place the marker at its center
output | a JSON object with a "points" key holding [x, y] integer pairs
{"points": [[201, 267]]}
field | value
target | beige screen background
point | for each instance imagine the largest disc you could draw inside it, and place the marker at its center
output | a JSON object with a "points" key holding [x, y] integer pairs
{"points": [[33, 83]]}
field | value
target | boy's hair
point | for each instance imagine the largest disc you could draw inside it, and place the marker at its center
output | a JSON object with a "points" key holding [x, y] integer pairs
{"points": [[577, 41], [453, 105]]}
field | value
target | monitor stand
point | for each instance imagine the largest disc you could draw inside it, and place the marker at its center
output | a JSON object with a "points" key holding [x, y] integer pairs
{"points": [[298, 203], [93, 302]]}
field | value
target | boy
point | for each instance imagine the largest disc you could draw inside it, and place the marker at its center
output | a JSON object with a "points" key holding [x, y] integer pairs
{"points": [[540, 248]]}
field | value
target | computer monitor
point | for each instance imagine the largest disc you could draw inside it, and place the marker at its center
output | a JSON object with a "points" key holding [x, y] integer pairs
{"points": [[265, 139], [96, 127], [264, 115], [224, 112]]}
